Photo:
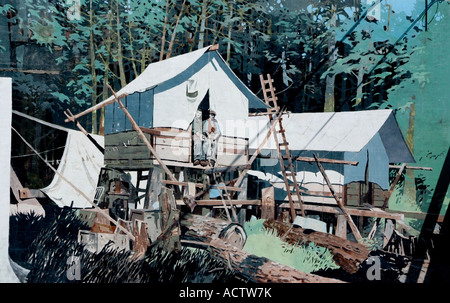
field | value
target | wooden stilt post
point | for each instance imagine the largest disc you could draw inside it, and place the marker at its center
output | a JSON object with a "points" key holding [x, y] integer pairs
{"points": [[341, 227], [268, 203], [339, 202]]}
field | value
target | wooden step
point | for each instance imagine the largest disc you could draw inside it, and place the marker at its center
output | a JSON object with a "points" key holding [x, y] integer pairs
{"points": [[283, 144]]}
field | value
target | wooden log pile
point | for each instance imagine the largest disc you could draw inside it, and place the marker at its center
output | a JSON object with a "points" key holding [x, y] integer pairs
{"points": [[347, 254], [225, 241], [260, 269]]}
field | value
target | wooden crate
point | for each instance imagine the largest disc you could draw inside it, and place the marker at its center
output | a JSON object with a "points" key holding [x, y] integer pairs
{"points": [[151, 217], [232, 151], [95, 242], [127, 151]]}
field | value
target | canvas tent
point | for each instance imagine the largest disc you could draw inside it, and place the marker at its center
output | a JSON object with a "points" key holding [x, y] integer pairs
{"points": [[372, 138], [168, 93], [80, 164]]}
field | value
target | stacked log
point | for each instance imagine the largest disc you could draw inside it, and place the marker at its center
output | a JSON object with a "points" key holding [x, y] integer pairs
{"points": [[347, 254], [225, 241]]}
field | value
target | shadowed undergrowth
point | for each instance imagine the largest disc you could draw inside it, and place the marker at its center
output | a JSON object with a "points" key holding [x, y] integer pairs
{"points": [[45, 247]]}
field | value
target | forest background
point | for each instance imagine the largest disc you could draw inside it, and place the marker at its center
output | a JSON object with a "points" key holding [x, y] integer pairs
{"points": [[342, 55]]}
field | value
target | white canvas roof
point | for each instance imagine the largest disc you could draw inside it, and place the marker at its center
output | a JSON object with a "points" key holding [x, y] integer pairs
{"points": [[336, 132], [161, 71], [199, 72]]}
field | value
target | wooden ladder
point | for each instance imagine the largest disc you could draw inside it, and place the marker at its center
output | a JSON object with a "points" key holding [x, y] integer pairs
{"points": [[287, 167]]}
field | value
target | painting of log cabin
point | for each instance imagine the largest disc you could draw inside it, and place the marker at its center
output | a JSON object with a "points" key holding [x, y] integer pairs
{"points": [[280, 159]]}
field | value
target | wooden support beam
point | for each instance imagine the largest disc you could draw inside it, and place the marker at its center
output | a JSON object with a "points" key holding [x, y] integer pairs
{"points": [[170, 182], [200, 185], [412, 167], [225, 240], [347, 254], [142, 136], [341, 227], [258, 150], [350, 211], [326, 160], [31, 71], [213, 47], [71, 117], [212, 202], [96, 107], [339, 202], [268, 203], [415, 214], [27, 193]]}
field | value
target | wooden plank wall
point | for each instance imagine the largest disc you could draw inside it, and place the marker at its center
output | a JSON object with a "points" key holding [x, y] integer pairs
{"points": [[127, 150], [358, 193], [232, 151], [315, 193]]}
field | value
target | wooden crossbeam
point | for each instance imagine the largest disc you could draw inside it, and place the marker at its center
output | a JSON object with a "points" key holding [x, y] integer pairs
{"points": [[97, 106], [72, 118], [350, 211], [212, 202], [326, 160], [412, 167]]}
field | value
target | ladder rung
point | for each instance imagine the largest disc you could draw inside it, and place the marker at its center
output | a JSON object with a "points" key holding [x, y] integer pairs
{"points": [[281, 131], [286, 157], [283, 143]]}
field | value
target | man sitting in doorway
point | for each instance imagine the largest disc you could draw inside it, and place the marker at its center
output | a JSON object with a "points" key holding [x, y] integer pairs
{"points": [[212, 133]]}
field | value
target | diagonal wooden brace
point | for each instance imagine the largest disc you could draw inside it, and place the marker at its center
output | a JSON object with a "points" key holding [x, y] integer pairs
{"points": [[142, 136], [339, 202]]}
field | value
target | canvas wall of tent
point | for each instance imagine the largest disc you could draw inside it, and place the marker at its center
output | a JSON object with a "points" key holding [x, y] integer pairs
{"points": [[163, 101], [356, 147]]}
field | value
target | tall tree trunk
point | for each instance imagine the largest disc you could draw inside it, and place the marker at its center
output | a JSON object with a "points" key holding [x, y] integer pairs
{"points": [[105, 92], [410, 182], [201, 35], [133, 57], [174, 33], [359, 83], [284, 67], [230, 27], [92, 66], [122, 78], [330, 79], [163, 38]]}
